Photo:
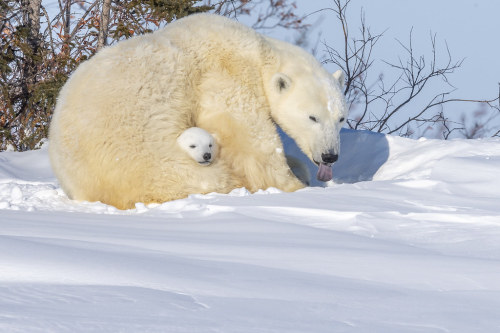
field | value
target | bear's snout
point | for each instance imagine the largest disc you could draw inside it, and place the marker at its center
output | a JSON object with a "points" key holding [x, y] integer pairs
{"points": [[329, 158], [207, 156]]}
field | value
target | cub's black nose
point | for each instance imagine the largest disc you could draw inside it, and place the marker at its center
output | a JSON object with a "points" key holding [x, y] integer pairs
{"points": [[329, 158], [207, 156]]}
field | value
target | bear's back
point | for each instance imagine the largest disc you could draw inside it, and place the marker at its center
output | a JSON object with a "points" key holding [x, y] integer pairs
{"points": [[118, 116]]}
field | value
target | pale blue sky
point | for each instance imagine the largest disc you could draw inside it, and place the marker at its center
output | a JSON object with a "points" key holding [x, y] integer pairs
{"points": [[470, 27]]}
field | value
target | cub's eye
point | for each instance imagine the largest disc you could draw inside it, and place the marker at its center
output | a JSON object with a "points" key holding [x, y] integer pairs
{"points": [[341, 119], [313, 118], [210, 145], [192, 146]]}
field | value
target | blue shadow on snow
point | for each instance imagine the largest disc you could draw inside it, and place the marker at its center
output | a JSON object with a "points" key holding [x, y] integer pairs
{"points": [[362, 153]]}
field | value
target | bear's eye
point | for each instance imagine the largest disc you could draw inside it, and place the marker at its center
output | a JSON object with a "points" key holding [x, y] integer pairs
{"points": [[192, 146], [341, 119], [313, 118], [210, 145]]}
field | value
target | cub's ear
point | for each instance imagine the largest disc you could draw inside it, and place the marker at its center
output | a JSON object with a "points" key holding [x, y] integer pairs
{"points": [[281, 82], [340, 78]]}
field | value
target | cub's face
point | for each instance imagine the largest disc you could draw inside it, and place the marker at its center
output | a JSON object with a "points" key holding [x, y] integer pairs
{"points": [[198, 144]]}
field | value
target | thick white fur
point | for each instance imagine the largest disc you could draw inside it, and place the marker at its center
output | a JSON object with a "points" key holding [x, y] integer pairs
{"points": [[197, 142], [113, 133]]}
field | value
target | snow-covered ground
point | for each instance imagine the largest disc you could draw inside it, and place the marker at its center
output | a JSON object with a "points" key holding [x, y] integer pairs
{"points": [[406, 240]]}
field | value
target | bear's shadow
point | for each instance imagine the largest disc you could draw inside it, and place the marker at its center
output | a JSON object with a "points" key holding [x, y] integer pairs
{"points": [[362, 153]]}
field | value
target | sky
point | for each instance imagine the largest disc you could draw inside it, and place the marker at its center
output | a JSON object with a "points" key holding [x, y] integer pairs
{"points": [[470, 28]]}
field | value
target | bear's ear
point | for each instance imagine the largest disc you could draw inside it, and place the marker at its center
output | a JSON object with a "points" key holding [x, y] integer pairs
{"points": [[340, 78], [281, 82]]}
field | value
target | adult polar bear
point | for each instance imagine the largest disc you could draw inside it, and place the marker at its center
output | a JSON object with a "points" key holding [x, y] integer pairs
{"points": [[113, 133]]}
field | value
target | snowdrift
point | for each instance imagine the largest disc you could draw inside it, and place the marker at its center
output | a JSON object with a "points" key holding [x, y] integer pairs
{"points": [[407, 239]]}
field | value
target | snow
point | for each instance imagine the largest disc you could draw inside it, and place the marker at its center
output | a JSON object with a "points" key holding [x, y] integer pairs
{"points": [[407, 239]]}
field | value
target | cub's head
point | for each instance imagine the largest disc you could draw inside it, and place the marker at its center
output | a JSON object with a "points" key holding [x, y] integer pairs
{"points": [[199, 144], [308, 104]]}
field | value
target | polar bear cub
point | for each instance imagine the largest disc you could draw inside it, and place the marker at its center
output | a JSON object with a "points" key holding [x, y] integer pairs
{"points": [[199, 145]]}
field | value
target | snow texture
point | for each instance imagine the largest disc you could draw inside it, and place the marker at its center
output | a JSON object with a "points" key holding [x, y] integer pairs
{"points": [[407, 239]]}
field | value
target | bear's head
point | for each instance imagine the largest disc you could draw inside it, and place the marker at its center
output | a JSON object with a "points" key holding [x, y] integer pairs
{"points": [[199, 144], [307, 102]]}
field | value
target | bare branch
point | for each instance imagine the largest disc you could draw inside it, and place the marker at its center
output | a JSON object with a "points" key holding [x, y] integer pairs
{"points": [[399, 106], [104, 24]]}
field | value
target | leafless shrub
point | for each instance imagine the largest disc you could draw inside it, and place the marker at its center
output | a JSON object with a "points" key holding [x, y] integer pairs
{"points": [[400, 105], [38, 52]]}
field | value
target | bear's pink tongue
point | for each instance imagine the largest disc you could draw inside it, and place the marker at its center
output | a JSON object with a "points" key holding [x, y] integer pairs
{"points": [[324, 173]]}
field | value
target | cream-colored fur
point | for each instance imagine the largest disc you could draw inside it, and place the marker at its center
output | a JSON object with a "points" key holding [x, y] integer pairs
{"points": [[113, 133]]}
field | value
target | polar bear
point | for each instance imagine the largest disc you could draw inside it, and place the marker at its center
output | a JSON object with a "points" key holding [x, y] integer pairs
{"points": [[199, 144], [115, 125]]}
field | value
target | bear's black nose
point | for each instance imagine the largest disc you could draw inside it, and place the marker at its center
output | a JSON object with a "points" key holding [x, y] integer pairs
{"points": [[207, 156], [329, 158]]}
